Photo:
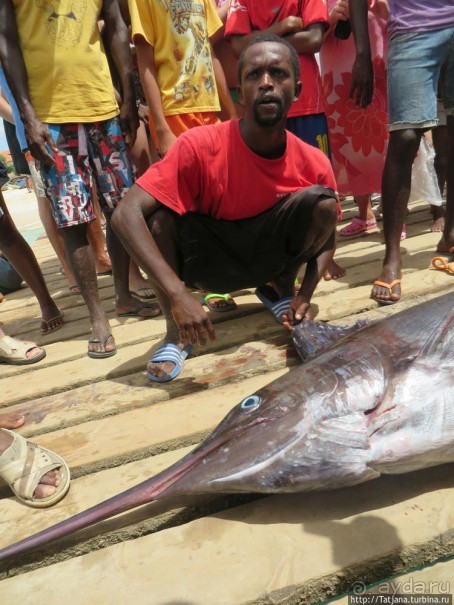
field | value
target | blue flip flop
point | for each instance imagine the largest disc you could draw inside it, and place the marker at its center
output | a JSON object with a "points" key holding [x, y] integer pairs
{"points": [[270, 298], [169, 352]]}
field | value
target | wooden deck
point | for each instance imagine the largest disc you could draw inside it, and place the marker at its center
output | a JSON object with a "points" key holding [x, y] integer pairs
{"points": [[115, 429]]}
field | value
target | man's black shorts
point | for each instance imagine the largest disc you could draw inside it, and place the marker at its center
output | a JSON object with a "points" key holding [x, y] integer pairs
{"points": [[223, 256]]}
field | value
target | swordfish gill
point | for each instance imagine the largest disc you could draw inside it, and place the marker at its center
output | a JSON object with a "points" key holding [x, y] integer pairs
{"points": [[372, 400]]}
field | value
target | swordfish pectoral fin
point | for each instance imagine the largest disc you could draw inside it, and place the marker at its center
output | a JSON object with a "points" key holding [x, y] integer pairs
{"points": [[440, 344], [312, 338]]}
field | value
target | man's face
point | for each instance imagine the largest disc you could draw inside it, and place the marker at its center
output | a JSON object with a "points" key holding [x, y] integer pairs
{"points": [[268, 85]]}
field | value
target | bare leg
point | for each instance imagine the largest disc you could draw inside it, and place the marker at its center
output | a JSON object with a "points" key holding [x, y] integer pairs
{"points": [[163, 229], [21, 256], [446, 243], [124, 302], [81, 258], [441, 144], [56, 239], [396, 183], [96, 238], [141, 155]]}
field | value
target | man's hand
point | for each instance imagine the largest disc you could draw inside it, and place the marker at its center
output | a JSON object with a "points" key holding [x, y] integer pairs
{"points": [[165, 141], [339, 12], [129, 122], [39, 140], [142, 110], [298, 310], [192, 320], [362, 88]]}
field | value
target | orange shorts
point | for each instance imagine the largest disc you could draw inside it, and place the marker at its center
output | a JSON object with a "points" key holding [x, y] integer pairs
{"points": [[185, 121]]}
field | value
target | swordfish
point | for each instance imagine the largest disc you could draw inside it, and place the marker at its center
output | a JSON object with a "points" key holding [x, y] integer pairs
{"points": [[375, 399]]}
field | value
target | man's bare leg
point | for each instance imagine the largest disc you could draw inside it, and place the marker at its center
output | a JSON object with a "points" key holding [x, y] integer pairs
{"points": [[20, 254], [56, 240], [396, 184], [124, 301], [163, 229], [446, 244], [81, 259]]}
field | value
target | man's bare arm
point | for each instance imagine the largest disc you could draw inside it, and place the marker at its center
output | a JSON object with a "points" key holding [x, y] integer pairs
{"points": [[38, 136], [362, 88], [130, 223], [308, 41], [286, 27], [117, 40]]}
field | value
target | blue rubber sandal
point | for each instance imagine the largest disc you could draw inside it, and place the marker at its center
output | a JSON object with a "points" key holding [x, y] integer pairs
{"points": [[169, 352], [270, 298]]}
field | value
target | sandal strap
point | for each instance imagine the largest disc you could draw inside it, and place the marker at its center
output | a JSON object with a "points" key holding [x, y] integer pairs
{"points": [[23, 464]]}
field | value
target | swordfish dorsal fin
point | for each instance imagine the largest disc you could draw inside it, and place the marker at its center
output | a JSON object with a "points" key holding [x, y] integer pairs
{"points": [[312, 338], [440, 344]]}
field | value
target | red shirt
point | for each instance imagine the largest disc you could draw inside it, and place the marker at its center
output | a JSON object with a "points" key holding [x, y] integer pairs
{"points": [[211, 170], [246, 16]]}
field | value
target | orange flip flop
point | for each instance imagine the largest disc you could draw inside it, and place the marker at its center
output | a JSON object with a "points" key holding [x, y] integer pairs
{"points": [[442, 265], [389, 287]]}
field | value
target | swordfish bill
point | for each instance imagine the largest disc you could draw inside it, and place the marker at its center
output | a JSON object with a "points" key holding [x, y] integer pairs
{"points": [[375, 399]]}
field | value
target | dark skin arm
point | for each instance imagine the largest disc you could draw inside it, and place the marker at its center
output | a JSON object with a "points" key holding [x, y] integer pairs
{"points": [[117, 39], [305, 41], [38, 136], [362, 88], [129, 222]]}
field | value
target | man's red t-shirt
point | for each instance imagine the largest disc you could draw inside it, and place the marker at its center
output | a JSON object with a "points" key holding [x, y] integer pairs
{"points": [[246, 16], [211, 170]]}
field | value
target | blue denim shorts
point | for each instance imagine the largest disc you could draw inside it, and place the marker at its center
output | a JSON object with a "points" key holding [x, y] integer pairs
{"points": [[414, 63]]}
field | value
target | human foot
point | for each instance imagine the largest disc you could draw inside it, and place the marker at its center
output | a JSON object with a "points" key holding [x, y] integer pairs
{"points": [[334, 271], [101, 343], [51, 319], [219, 302], [11, 420], [37, 476], [52, 324], [19, 352], [386, 292], [131, 307], [438, 215], [167, 362]]}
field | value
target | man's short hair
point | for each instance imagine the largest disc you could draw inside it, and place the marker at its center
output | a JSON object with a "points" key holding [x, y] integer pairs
{"points": [[271, 38]]}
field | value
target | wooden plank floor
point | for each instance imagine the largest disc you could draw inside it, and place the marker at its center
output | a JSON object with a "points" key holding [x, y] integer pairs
{"points": [[115, 429]]}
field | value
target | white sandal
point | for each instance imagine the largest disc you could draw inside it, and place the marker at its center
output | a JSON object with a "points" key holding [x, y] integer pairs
{"points": [[22, 466], [14, 351]]}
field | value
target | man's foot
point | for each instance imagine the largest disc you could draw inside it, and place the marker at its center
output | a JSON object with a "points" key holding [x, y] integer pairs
{"points": [[11, 420], [219, 302], [26, 483], [74, 289], [386, 293], [19, 352], [104, 267], [334, 271], [438, 215], [52, 324], [51, 319], [445, 247], [131, 307], [167, 362], [139, 286], [101, 343]]}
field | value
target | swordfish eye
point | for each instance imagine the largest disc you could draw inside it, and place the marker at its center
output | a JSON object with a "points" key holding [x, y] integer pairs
{"points": [[250, 403]]}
